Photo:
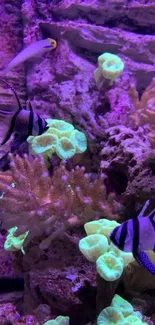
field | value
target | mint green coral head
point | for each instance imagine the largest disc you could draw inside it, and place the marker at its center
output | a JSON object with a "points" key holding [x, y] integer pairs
{"points": [[61, 138]]}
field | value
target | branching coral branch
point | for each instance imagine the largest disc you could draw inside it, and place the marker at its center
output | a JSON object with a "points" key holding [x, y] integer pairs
{"points": [[145, 109], [44, 205]]}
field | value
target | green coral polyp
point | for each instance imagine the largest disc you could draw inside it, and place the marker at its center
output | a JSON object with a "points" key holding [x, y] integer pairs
{"points": [[111, 261], [123, 305], [60, 320], [132, 319], [119, 313], [110, 316], [65, 148], [127, 257], [79, 140], [109, 266], [13, 243], [63, 127], [93, 246], [44, 144], [60, 138], [110, 66], [101, 226]]}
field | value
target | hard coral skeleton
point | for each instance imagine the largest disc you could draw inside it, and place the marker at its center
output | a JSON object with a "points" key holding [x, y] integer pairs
{"points": [[144, 109], [48, 206]]}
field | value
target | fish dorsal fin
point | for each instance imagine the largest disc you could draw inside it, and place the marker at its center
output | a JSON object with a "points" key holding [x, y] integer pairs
{"points": [[30, 107], [15, 94], [152, 214], [141, 214]]}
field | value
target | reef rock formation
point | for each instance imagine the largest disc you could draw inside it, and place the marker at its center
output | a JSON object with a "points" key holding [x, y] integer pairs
{"points": [[60, 277], [63, 84], [128, 163]]}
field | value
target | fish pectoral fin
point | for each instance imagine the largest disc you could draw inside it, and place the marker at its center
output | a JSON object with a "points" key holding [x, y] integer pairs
{"points": [[4, 162], [18, 140], [143, 259]]}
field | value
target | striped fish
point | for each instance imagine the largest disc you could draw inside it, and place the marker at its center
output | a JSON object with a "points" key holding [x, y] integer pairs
{"points": [[23, 123], [137, 236]]}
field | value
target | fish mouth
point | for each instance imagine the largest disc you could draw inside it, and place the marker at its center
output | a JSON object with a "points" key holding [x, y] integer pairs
{"points": [[54, 45]]}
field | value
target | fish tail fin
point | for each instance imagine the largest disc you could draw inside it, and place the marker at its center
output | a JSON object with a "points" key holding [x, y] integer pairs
{"points": [[18, 140], [152, 214], [143, 259], [15, 94], [30, 106]]}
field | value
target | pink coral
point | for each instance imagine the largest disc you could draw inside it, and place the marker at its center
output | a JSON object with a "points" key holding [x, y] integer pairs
{"points": [[34, 201], [144, 109]]}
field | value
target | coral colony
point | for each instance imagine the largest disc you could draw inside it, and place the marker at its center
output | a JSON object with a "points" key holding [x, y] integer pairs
{"points": [[77, 162]]}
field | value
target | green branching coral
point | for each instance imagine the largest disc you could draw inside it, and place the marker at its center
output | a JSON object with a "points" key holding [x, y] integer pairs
{"points": [[48, 206]]}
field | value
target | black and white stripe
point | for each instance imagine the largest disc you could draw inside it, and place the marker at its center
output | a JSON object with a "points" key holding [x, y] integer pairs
{"points": [[136, 232], [152, 220], [119, 235], [33, 123]]}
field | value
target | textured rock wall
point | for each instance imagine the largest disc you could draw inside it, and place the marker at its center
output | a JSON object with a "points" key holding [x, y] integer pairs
{"points": [[11, 42], [63, 85]]}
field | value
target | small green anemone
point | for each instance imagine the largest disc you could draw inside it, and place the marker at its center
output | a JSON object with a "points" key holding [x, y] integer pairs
{"points": [[110, 316], [65, 148], [109, 266], [123, 305], [93, 246], [80, 141]]}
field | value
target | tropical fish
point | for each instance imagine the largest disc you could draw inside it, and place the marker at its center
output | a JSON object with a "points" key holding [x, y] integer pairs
{"points": [[34, 49], [137, 236], [23, 123]]}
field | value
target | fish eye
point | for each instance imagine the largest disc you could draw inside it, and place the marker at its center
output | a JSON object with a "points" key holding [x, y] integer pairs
{"points": [[53, 43]]}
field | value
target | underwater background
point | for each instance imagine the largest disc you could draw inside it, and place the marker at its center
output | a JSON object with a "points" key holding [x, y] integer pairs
{"points": [[77, 162]]}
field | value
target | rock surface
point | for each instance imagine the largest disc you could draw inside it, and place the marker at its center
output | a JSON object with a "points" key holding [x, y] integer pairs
{"points": [[83, 32], [56, 277], [128, 163], [61, 85]]}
